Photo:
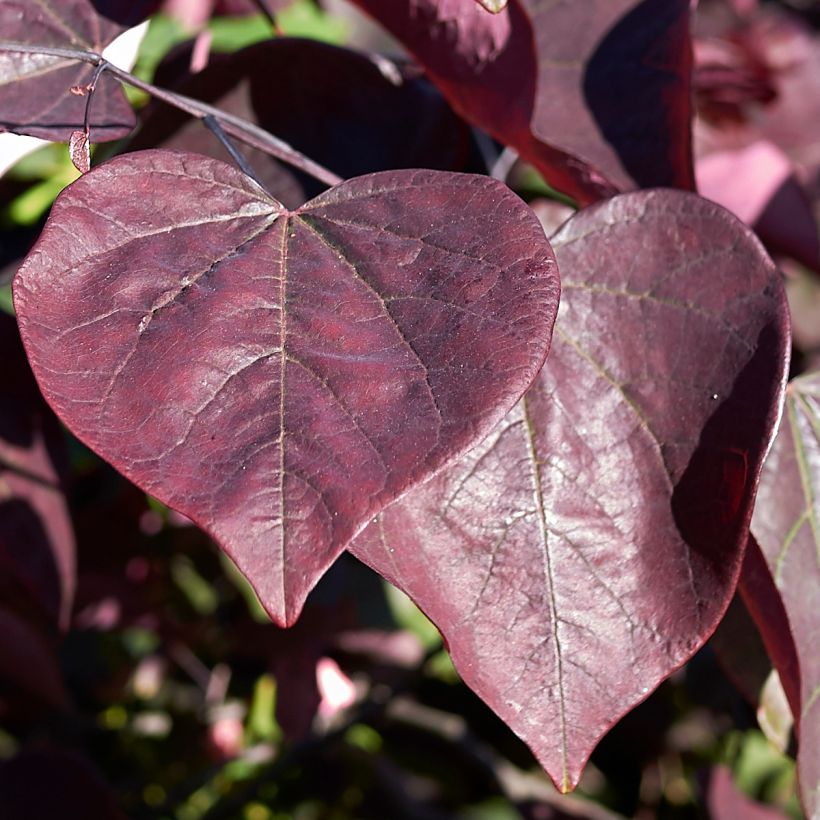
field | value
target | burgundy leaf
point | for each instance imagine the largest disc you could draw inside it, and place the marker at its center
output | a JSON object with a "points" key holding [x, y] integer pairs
{"points": [[594, 94], [35, 90], [589, 546], [280, 376], [36, 537], [786, 526], [339, 107]]}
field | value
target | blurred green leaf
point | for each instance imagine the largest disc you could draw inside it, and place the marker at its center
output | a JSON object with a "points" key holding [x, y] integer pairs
{"points": [[261, 723], [199, 592]]}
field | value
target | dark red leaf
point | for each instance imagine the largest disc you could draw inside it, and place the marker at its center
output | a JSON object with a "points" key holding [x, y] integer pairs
{"points": [[341, 108], [595, 95], [280, 376], [589, 546], [36, 537], [786, 526], [35, 90]]}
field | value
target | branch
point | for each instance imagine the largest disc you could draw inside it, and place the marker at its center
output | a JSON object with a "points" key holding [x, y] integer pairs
{"points": [[241, 129]]}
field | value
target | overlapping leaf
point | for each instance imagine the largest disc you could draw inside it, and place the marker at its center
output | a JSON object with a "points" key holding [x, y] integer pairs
{"points": [[590, 544], [341, 108], [787, 526], [36, 96], [280, 376], [594, 94]]}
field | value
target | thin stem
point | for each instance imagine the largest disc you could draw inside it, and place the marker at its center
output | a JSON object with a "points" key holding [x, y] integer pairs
{"points": [[91, 88], [243, 130], [262, 5], [212, 124]]}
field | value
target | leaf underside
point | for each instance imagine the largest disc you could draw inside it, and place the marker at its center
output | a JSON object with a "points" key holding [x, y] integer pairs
{"points": [[589, 546], [280, 376]]}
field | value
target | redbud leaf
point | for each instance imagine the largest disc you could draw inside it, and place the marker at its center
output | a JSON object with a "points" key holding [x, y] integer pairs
{"points": [[590, 545], [280, 376]]}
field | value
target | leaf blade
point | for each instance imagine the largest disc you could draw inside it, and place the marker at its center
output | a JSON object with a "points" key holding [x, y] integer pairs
{"points": [[253, 388], [591, 543]]}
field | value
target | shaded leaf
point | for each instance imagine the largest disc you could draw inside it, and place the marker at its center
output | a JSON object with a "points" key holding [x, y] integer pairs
{"points": [[786, 526], [35, 90], [594, 94], [280, 376], [349, 113], [36, 537], [764, 603], [30, 676], [589, 546]]}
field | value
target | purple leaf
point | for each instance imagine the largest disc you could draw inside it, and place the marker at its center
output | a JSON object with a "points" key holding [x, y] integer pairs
{"points": [[338, 107], [786, 526], [279, 376], [36, 96], [589, 546], [595, 95], [36, 537]]}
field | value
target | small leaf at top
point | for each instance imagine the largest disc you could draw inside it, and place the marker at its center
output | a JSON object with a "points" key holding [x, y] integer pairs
{"points": [[786, 524], [79, 151], [589, 546], [280, 376], [36, 95]]}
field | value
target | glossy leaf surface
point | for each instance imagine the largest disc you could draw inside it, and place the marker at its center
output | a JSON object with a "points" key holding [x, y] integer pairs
{"points": [[36, 537], [36, 96], [786, 527], [589, 546], [344, 110], [280, 376], [594, 94]]}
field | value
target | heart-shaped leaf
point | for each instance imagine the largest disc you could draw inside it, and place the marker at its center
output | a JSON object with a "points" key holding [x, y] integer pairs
{"points": [[596, 95], [280, 376], [589, 546], [787, 526], [44, 96]]}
